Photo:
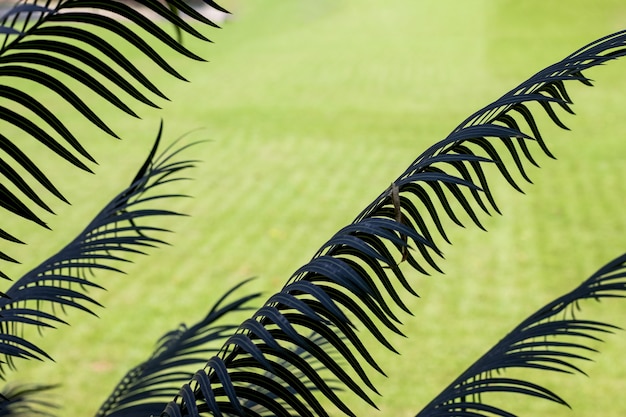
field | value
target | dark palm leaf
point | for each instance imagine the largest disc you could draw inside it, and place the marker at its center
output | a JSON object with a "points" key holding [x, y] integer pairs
{"points": [[146, 389], [25, 400], [350, 284], [551, 339], [59, 46], [274, 381], [282, 371], [62, 281]]}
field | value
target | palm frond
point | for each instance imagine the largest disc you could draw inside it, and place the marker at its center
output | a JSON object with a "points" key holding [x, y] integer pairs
{"points": [[146, 389], [551, 339], [63, 280], [283, 371], [26, 400], [352, 281], [60, 46]]}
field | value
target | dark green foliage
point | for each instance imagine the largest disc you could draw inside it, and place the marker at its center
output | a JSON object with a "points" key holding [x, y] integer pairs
{"points": [[61, 45], [63, 280], [549, 340], [145, 389], [26, 401], [353, 276], [303, 344]]}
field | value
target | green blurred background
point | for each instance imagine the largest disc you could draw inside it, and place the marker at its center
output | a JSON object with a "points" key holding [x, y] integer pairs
{"points": [[311, 108]]}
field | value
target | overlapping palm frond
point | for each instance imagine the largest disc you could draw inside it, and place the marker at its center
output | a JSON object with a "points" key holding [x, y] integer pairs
{"points": [[26, 400], [551, 339], [352, 281], [62, 281], [146, 389], [299, 385], [59, 46]]}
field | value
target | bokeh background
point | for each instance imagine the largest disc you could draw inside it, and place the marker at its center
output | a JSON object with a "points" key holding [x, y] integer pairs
{"points": [[310, 109]]}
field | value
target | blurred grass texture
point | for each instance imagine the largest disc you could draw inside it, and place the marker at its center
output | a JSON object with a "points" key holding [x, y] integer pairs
{"points": [[310, 109]]}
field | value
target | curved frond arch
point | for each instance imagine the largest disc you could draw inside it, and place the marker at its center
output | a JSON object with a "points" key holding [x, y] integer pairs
{"points": [[62, 45], [18, 400], [553, 339], [355, 281], [63, 281], [147, 388]]}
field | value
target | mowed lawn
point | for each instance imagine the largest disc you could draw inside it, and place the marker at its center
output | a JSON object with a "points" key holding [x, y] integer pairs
{"points": [[310, 109]]}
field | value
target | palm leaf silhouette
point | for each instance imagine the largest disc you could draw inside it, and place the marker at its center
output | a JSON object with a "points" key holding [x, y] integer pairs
{"points": [[550, 339], [62, 45], [353, 281], [63, 280], [25, 400], [146, 388]]}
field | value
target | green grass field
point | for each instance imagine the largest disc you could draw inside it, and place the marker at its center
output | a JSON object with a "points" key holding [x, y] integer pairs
{"points": [[311, 109]]}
